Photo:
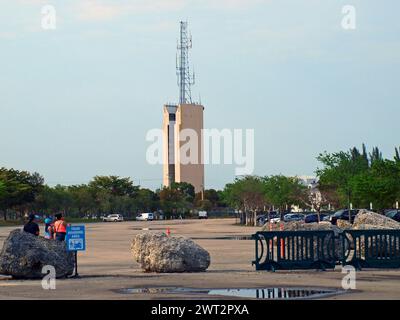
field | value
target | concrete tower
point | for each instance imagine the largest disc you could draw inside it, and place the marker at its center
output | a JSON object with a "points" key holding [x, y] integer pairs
{"points": [[178, 117]]}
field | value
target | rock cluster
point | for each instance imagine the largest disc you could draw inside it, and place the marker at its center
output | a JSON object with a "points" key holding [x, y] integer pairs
{"points": [[301, 226], [365, 220]]}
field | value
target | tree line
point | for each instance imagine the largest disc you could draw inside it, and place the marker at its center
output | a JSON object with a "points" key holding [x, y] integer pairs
{"points": [[360, 178], [22, 193], [346, 178]]}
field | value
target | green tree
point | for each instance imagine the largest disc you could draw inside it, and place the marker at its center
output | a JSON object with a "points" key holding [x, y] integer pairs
{"points": [[379, 185], [338, 168], [353, 177], [397, 155], [55, 200], [147, 200], [211, 200], [174, 201], [186, 189], [283, 192], [375, 155], [246, 194], [19, 190], [114, 185], [83, 199], [2, 189]]}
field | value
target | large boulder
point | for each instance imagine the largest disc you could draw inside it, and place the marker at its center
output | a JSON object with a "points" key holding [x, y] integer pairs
{"points": [[370, 220], [157, 252], [24, 255]]}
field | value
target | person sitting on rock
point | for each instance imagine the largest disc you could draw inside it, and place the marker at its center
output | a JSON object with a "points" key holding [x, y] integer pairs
{"points": [[60, 227], [32, 227]]}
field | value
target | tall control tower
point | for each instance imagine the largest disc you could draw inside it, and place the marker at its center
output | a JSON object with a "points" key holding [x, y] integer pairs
{"points": [[184, 115]]}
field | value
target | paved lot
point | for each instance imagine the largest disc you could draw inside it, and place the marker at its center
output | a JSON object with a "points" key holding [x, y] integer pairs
{"points": [[107, 266]]}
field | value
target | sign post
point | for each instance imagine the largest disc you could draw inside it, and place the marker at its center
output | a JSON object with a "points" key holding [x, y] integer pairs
{"points": [[76, 241]]}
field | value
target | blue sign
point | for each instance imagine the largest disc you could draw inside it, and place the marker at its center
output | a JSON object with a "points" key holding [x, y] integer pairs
{"points": [[75, 239]]}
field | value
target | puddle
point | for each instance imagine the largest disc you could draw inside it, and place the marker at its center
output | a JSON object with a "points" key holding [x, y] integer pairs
{"points": [[256, 293], [276, 293], [147, 290]]}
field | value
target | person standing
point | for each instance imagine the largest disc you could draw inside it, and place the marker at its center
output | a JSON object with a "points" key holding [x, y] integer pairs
{"points": [[48, 229], [60, 227], [32, 227]]}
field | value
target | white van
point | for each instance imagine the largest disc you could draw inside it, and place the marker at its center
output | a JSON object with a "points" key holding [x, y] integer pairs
{"points": [[203, 215], [145, 217]]}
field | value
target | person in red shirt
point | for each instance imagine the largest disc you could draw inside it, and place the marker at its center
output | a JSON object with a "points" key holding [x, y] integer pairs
{"points": [[60, 227]]}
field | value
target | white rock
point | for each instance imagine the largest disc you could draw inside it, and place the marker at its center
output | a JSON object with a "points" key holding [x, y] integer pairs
{"points": [[367, 219], [157, 252]]}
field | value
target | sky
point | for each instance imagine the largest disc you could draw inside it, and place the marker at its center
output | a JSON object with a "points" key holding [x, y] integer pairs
{"points": [[77, 101]]}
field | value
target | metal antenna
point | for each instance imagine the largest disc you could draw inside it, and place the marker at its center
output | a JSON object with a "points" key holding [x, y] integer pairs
{"points": [[185, 78]]}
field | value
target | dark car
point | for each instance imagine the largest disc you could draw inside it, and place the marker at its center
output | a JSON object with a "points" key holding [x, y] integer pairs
{"points": [[262, 219], [311, 218], [393, 214], [345, 215], [293, 217]]}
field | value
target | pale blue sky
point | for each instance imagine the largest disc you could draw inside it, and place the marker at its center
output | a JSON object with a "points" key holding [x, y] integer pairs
{"points": [[77, 101]]}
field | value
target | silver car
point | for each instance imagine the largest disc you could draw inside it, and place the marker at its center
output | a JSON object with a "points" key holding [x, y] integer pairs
{"points": [[113, 218]]}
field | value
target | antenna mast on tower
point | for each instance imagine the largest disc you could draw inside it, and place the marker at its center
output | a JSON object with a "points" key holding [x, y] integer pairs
{"points": [[185, 78]]}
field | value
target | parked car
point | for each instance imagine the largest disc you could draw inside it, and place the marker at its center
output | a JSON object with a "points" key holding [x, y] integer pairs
{"points": [[293, 217], [275, 217], [263, 218], [393, 214], [113, 218], [145, 217], [344, 215], [313, 217], [203, 215]]}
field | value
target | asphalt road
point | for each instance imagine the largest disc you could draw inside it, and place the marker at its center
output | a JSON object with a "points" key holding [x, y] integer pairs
{"points": [[107, 267]]}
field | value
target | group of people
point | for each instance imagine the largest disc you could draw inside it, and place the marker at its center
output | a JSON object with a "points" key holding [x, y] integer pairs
{"points": [[54, 228]]}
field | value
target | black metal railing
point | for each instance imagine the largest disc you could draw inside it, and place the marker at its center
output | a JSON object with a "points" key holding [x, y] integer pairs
{"points": [[292, 250], [371, 248], [286, 250]]}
